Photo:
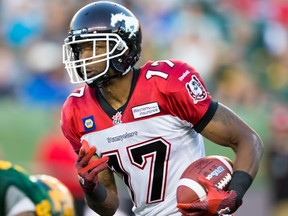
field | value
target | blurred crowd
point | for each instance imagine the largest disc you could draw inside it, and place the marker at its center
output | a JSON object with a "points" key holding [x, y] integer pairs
{"points": [[240, 48], [224, 40]]}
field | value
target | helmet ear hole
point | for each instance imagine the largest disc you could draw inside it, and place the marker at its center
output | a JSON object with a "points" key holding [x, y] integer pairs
{"points": [[129, 60], [117, 64], [121, 45]]}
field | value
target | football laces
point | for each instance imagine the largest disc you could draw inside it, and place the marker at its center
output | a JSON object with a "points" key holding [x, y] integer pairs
{"points": [[224, 181]]}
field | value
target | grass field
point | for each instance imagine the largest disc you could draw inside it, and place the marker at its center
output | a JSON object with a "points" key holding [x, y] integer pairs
{"points": [[20, 128]]}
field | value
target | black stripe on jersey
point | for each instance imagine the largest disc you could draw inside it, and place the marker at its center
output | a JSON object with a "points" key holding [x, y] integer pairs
{"points": [[110, 111], [207, 117]]}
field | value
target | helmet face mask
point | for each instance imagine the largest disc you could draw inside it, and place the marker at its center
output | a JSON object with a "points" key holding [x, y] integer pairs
{"points": [[111, 24], [77, 68]]}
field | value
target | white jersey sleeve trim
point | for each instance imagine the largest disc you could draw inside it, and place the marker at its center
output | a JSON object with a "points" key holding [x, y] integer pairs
{"points": [[17, 202]]}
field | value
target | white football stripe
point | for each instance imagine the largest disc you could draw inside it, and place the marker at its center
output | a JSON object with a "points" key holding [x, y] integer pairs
{"points": [[222, 159], [195, 186]]}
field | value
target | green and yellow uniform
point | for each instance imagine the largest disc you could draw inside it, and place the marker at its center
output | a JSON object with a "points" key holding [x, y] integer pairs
{"points": [[50, 196]]}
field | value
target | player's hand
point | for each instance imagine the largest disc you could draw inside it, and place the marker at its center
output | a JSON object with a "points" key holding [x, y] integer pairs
{"points": [[89, 167], [217, 202]]}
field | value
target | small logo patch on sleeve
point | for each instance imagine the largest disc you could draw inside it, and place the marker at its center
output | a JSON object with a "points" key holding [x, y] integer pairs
{"points": [[196, 90], [89, 123]]}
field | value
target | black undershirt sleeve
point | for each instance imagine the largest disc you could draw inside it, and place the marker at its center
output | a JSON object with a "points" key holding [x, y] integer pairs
{"points": [[201, 124]]}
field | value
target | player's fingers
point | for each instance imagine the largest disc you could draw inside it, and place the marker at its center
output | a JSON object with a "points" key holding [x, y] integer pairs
{"points": [[95, 171], [85, 148], [100, 164], [84, 158], [206, 183], [195, 206], [81, 154], [85, 153], [89, 150], [184, 206], [85, 145]]}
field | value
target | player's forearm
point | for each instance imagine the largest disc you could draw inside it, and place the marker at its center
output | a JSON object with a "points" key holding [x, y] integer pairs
{"points": [[248, 155], [103, 201], [227, 129]]}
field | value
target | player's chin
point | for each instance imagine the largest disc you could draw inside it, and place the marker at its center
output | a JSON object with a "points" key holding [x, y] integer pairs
{"points": [[90, 74]]}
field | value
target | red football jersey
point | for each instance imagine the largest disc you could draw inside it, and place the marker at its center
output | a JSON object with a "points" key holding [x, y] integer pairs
{"points": [[151, 139]]}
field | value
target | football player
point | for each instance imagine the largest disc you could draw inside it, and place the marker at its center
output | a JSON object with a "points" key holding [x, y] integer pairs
{"points": [[22, 194], [144, 124]]}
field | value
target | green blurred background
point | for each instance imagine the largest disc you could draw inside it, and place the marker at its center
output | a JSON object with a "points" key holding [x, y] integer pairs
{"points": [[21, 127], [239, 47]]}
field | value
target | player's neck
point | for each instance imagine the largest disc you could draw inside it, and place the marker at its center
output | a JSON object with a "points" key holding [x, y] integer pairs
{"points": [[116, 93]]}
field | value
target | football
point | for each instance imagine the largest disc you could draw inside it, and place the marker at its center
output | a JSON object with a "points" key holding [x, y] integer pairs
{"points": [[215, 168]]}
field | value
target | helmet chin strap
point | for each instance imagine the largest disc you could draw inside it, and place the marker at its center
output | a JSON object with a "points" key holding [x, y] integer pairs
{"points": [[103, 81]]}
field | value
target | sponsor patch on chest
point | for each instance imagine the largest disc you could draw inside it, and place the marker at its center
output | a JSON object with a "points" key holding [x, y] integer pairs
{"points": [[89, 123], [145, 110]]}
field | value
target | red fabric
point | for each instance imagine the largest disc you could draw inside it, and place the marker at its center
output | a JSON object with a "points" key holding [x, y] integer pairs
{"points": [[168, 87], [56, 157]]}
